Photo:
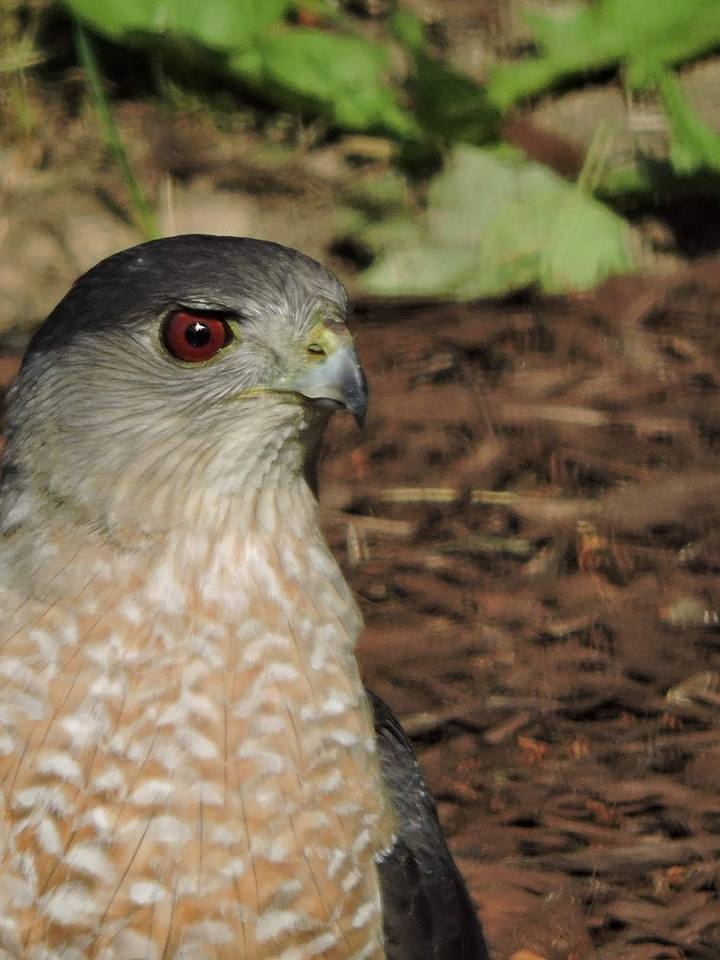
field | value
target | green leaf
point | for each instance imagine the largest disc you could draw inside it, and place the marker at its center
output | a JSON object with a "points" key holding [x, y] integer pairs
{"points": [[693, 145], [643, 37], [221, 24], [496, 223], [344, 78], [409, 30], [340, 76], [450, 108]]}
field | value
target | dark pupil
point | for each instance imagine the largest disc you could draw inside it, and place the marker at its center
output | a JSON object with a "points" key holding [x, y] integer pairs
{"points": [[197, 334]]}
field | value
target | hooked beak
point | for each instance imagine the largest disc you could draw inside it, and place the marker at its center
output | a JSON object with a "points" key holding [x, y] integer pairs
{"points": [[337, 379]]}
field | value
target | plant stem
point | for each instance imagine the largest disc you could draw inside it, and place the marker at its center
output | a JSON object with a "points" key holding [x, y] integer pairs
{"points": [[142, 212]]}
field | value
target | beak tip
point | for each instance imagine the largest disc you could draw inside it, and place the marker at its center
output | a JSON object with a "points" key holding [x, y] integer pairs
{"points": [[358, 397], [360, 417]]}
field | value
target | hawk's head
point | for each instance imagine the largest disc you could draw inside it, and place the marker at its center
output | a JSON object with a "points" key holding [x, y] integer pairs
{"points": [[181, 365]]}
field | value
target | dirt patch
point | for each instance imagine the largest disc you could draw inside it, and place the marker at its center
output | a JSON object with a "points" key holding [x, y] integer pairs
{"points": [[531, 522]]}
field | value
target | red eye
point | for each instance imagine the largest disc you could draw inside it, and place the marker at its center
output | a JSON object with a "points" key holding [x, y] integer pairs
{"points": [[195, 337]]}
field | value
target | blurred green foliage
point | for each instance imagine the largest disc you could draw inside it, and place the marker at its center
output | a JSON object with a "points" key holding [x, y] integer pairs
{"points": [[219, 25], [493, 220], [694, 147], [342, 77], [642, 37], [338, 75]]}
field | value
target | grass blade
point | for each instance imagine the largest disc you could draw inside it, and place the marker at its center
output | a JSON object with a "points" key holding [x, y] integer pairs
{"points": [[142, 213]]}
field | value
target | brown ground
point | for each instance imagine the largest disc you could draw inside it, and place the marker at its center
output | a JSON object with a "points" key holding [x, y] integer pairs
{"points": [[531, 520]]}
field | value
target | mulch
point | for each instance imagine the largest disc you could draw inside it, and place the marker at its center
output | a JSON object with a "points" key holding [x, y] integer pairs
{"points": [[531, 520]]}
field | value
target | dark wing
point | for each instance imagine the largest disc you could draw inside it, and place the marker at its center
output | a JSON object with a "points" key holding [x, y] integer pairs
{"points": [[427, 911]]}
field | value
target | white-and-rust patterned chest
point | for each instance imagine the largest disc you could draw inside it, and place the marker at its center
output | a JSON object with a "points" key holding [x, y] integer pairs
{"points": [[188, 767]]}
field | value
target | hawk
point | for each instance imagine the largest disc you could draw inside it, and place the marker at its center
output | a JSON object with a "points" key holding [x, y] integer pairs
{"points": [[191, 768]]}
